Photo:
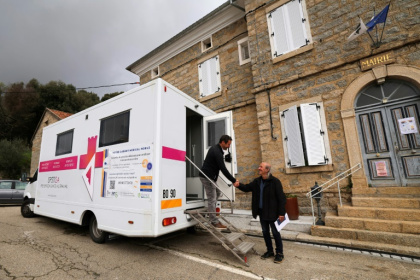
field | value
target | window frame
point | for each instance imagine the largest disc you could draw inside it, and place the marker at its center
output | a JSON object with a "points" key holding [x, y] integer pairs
{"points": [[306, 167], [68, 151], [155, 72], [204, 64], [307, 31], [204, 46], [240, 51], [102, 132]]}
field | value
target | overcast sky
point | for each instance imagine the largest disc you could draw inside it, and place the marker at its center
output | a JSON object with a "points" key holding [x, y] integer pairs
{"points": [[88, 42]]}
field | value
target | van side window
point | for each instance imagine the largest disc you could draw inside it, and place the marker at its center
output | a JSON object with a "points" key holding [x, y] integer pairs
{"points": [[114, 130], [64, 143]]}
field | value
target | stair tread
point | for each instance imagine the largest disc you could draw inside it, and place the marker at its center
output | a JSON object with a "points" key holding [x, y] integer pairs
{"points": [[369, 231], [373, 220], [244, 247], [387, 208], [233, 236], [369, 245]]}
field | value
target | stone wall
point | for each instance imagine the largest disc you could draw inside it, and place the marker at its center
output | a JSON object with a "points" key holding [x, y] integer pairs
{"points": [[47, 119], [324, 71]]}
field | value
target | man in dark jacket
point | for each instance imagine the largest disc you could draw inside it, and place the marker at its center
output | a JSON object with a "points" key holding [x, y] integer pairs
{"points": [[213, 164], [268, 202]]}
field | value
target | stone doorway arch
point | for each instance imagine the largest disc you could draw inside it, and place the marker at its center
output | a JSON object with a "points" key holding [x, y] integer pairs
{"points": [[348, 115]]}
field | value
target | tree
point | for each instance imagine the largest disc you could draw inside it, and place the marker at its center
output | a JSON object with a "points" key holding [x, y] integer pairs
{"points": [[15, 158], [18, 111], [110, 95]]}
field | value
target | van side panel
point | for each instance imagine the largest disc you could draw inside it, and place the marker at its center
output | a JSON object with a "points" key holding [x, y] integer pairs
{"points": [[63, 191]]}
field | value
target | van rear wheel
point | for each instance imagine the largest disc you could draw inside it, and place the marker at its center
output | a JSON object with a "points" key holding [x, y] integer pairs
{"points": [[97, 235], [25, 209]]}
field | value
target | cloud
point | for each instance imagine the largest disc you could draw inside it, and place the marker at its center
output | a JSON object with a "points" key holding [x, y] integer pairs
{"points": [[88, 42]]}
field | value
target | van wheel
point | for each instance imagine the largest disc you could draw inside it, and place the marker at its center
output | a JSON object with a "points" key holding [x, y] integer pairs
{"points": [[25, 209], [97, 235]]}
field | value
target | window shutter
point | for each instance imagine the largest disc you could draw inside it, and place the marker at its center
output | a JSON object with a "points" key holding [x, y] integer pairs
{"points": [[293, 137], [296, 22], [278, 33], [209, 76], [313, 133]]}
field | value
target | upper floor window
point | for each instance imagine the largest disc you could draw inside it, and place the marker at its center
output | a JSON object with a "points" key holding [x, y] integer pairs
{"points": [[288, 27], [64, 143], [243, 50], [209, 76], [305, 136], [206, 44], [155, 72], [115, 129]]}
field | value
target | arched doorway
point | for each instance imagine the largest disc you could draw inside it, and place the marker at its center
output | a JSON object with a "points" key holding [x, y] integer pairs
{"points": [[387, 117], [377, 75]]}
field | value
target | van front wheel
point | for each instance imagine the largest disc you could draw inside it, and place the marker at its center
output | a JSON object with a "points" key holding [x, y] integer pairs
{"points": [[97, 235], [25, 209]]}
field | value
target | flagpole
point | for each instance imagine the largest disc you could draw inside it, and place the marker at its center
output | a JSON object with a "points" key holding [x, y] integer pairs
{"points": [[383, 28], [368, 33]]}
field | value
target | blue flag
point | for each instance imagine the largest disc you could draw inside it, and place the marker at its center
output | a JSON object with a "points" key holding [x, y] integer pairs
{"points": [[379, 18]]}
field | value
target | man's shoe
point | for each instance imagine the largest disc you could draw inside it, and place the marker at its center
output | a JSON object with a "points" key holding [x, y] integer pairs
{"points": [[219, 225], [267, 255], [278, 258]]}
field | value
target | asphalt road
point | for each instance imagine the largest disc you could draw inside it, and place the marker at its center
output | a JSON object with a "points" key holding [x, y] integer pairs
{"points": [[41, 248]]}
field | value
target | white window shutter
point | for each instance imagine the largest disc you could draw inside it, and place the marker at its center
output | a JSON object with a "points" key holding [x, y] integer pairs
{"points": [[293, 137], [296, 23], [313, 134], [278, 32], [209, 76]]}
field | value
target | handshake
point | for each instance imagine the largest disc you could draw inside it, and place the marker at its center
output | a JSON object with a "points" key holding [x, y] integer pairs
{"points": [[236, 184]]}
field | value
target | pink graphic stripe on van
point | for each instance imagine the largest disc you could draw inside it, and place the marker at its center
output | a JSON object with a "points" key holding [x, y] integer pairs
{"points": [[58, 164], [174, 154]]}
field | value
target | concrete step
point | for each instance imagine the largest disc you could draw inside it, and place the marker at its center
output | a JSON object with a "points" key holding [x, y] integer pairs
{"points": [[402, 239], [379, 213], [356, 244], [387, 192], [386, 202], [397, 226]]}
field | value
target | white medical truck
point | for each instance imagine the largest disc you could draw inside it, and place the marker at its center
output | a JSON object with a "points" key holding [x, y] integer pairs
{"points": [[120, 165]]}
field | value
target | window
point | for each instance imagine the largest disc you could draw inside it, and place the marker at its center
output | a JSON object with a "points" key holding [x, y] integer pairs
{"points": [[243, 49], [20, 185], [64, 143], [206, 44], [114, 130], [306, 143], [288, 28], [6, 185], [155, 72], [209, 76]]}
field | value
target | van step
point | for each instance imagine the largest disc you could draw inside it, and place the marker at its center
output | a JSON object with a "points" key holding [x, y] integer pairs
{"points": [[244, 247], [233, 236], [231, 239]]}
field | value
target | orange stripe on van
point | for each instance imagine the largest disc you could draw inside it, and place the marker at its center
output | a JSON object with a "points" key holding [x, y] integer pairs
{"points": [[171, 203]]}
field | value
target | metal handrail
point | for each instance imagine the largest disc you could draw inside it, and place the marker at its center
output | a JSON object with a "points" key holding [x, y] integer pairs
{"points": [[230, 200], [330, 183]]}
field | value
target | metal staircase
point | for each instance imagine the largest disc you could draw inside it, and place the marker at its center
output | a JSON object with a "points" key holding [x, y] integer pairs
{"points": [[232, 239]]}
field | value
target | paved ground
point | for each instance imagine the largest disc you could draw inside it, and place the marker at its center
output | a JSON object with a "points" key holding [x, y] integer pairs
{"points": [[41, 248]]}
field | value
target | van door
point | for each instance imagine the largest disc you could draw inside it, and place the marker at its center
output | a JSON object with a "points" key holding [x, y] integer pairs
{"points": [[214, 127]]}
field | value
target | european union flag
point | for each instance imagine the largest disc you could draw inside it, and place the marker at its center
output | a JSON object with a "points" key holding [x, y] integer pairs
{"points": [[379, 18]]}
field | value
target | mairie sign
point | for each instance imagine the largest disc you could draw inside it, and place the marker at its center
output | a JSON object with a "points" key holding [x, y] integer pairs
{"points": [[377, 60]]}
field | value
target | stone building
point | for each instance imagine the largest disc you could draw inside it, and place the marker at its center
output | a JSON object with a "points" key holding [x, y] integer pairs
{"points": [[240, 58], [314, 104], [49, 116]]}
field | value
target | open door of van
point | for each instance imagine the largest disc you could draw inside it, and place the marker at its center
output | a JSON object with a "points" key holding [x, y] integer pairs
{"points": [[214, 127]]}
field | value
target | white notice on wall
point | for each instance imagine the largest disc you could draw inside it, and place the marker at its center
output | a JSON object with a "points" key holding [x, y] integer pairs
{"points": [[408, 125]]}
